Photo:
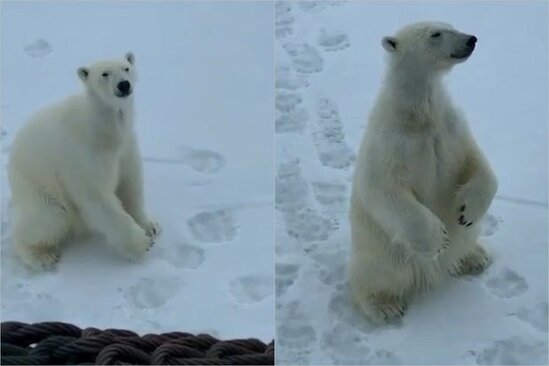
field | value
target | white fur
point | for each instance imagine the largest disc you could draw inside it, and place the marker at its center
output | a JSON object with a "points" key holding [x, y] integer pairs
{"points": [[75, 167], [418, 165]]}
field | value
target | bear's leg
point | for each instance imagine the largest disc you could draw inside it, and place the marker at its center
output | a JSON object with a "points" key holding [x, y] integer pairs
{"points": [[380, 276], [103, 212], [130, 193], [38, 231], [378, 290], [132, 201], [474, 262], [381, 306]]}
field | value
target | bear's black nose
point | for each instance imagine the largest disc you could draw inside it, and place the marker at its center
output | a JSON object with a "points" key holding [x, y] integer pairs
{"points": [[471, 41], [124, 86]]}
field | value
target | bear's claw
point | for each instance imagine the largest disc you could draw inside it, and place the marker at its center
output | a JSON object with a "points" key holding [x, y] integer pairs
{"points": [[463, 222], [152, 230], [391, 309], [473, 263], [446, 243], [151, 244]]}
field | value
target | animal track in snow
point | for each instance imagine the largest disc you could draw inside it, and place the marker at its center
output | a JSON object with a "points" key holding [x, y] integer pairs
{"points": [[490, 225], [286, 275], [292, 356], [286, 79], [329, 137], [317, 6], [345, 345], [307, 225], [283, 19], [150, 293], [305, 58], [252, 288], [331, 265], [291, 121], [38, 48], [213, 226], [42, 305], [514, 351], [185, 256], [291, 189], [536, 316], [295, 330], [348, 346], [286, 102], [343, 309], [329, 194], [383, 357], [203, 161], [507, 284], [333, 40]]}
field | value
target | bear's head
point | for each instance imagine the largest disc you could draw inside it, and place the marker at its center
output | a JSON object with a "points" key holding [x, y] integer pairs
{"points": [[430, 45], [112, 81]]}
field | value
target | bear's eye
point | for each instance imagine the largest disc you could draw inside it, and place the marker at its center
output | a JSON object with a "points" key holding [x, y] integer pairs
{"points": [[436, 35], [105, 74], [127, 69]]}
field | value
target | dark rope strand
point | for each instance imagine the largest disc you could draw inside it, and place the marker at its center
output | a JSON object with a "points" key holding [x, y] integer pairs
{"points": [[55, 343]]}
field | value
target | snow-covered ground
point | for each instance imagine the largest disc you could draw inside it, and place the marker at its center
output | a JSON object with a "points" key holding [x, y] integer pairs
{"points": [[329, 67], [204, 105]]}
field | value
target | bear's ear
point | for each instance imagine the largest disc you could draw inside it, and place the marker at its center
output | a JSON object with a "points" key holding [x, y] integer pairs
{"points": [[389, 43], [130, 57], [83, 73]]}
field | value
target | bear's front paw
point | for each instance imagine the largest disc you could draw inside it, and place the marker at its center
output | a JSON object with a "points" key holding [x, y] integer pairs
{"points": [[152, 229], [442, 240], [433, 240], [466, 217], [445, 241], [471, 205], [138, 244]]}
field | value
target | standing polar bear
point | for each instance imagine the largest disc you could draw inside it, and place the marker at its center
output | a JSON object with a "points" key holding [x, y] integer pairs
{"points": [[421, 183], [75, 167]]}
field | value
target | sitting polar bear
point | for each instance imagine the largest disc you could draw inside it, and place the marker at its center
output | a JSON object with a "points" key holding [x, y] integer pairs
{"points": [[75, 167], [421, 183]]}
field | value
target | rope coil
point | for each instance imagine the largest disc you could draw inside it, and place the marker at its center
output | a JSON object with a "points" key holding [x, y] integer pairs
{"points": [[57, 343]]}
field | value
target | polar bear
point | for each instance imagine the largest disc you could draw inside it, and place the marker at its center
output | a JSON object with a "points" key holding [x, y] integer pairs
{"points": [[421, 183], [75, 167]]}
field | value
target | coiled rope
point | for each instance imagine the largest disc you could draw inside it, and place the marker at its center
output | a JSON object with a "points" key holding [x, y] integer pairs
{"points": [[56, 343]]}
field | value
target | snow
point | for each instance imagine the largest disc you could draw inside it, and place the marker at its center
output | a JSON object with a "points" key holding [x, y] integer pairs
{"points": [[204, 108], [204, 119], [329, 66]]}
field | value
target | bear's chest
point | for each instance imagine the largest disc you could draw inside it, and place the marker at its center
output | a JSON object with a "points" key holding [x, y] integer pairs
{"points": [[434, 161]]}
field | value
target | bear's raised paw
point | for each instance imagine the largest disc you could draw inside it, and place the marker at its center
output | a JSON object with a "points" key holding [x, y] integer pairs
{"points": [[152, 229]]}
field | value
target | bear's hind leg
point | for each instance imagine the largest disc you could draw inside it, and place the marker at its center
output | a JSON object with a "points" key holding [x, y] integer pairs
{"points": [[388, 306], [381, 307], [38, 231], [474, 262], [378, 302], [40, 256]]}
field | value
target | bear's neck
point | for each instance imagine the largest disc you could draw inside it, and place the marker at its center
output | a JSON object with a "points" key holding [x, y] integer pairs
{"points": [[414, 89]]}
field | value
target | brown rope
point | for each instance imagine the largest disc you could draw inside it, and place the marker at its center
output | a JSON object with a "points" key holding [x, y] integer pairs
{"points": [[56, 343]]}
